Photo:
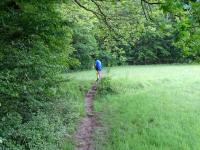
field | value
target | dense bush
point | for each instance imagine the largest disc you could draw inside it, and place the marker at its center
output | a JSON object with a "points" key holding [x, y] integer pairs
{"points": [[35, 44], [154, 48], [47, 128], [86, 47]]}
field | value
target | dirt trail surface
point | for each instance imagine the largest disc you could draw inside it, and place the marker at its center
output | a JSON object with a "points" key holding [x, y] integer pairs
{"points": [[83, 134]]}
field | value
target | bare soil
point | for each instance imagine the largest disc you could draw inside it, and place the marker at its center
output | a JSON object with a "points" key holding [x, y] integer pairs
{"points": [[83, 135]]}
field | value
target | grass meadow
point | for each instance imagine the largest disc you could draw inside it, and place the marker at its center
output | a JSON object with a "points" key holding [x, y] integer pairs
{"points": [[156, 107]]}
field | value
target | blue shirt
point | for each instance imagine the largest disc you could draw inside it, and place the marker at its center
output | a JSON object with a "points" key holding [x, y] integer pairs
{"points": [[98, 65]]}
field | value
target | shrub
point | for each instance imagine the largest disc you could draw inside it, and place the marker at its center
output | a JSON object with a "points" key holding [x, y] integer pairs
{"points": [[47, 128], [35, 47], [104, 86]]}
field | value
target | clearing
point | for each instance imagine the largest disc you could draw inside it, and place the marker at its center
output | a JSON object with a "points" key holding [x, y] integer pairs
{"points": [[156, 107]]}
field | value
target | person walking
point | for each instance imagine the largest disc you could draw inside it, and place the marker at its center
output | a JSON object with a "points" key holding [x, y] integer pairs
{"points": [[98, 67]]}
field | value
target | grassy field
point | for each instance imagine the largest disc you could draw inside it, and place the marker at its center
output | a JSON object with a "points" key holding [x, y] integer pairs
{"points": [[156, 107]]}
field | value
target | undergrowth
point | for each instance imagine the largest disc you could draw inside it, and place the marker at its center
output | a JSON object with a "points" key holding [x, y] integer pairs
{"points": [[105, 86], [51, 126]]}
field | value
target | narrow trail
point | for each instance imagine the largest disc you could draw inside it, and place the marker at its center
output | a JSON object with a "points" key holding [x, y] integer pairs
{"points": [[83, 135]]}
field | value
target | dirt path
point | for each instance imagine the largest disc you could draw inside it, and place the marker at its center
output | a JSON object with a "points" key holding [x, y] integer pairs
{"points": [[83, 134]]}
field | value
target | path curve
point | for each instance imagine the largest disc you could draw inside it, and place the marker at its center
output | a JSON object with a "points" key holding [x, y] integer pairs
{"points": [[83, 135]]}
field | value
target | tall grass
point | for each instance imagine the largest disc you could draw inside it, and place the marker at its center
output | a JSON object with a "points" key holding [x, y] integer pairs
{"points": [[157, 107]]}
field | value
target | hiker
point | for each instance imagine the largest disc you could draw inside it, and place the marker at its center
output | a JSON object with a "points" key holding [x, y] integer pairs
{"points": [[98, 67]]}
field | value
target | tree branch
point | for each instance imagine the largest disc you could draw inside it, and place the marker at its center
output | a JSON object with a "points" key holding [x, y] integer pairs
{"points": [[90, 10], [152, 3], [144, 10], [104, 17], [100, 15]]}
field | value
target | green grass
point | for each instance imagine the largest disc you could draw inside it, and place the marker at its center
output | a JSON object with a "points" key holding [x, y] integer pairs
{"points": [[156, 107], [75, 91]]}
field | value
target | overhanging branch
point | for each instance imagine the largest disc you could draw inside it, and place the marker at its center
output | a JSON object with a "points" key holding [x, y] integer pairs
{"points": [[100, 14], [152, 3], [103, 16], [147, 8], [90, 10]]}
